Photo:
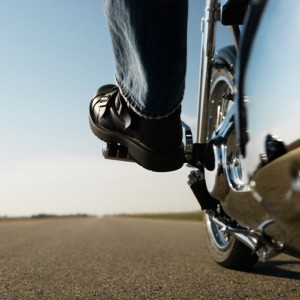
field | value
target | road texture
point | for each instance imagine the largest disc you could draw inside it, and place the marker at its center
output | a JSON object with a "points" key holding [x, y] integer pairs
{"points": [[119, 258]]}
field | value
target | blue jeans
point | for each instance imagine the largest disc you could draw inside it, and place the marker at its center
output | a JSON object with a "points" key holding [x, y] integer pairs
{"points": [[149, 40]]}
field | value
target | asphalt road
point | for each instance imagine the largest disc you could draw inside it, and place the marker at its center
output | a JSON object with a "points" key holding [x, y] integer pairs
{"points": [[115, 258]]}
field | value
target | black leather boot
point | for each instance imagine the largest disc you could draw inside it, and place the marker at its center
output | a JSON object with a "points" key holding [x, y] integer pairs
{"points": [[154, 144]]}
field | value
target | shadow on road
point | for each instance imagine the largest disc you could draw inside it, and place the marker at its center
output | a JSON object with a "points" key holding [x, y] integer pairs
{"points": [[278, 268]]}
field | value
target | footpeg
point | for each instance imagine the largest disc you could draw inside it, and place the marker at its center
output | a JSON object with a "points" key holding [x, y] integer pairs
{"points": [[116, 151]]}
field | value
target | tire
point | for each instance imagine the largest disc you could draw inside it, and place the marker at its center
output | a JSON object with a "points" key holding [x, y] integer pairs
{"points": [[226, 250], [222, 82]]}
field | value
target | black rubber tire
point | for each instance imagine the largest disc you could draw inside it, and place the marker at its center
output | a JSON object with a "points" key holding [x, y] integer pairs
{"points": [[226, 250], [233, 254]]}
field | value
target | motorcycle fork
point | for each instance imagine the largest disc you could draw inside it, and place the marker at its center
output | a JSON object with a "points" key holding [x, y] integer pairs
{"points": [[208, 29], [213, 14], [196, 178]]}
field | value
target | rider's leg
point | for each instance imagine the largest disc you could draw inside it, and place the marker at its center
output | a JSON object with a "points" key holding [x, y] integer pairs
{"points": [[149, 43]]}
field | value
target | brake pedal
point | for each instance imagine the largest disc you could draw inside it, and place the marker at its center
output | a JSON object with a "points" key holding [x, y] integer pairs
{"points": [[116, 151]]}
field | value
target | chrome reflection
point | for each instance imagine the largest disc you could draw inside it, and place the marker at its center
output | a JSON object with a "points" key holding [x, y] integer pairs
{"points": [[220, 239], [271, 166]]}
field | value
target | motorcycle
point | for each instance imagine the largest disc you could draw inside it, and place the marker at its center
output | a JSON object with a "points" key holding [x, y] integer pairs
{"points": [[246, 158]]}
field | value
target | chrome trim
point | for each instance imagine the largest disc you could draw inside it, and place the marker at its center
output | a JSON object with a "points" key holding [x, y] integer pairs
{"points": [[187, 141], [256, 239], [241, 234], [222, 241]]}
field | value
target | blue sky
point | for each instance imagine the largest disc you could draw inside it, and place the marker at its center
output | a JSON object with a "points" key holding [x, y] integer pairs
{"points": [[54, 55]]}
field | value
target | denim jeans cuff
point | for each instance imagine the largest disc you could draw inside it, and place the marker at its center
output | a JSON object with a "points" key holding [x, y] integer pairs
{"points": [[134, 104]]}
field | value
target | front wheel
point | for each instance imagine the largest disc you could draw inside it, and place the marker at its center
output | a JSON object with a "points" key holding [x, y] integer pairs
{"points": [[226, 250]]}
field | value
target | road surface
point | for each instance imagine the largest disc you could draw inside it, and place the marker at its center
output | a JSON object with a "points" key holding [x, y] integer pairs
{"points": [[116, 258]]}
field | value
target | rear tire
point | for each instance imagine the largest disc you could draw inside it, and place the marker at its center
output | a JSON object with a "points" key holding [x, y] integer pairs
{"points": [[226, 250]]}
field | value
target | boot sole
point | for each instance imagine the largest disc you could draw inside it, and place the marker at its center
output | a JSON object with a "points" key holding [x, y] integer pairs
{"points": [[146, 157]]}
